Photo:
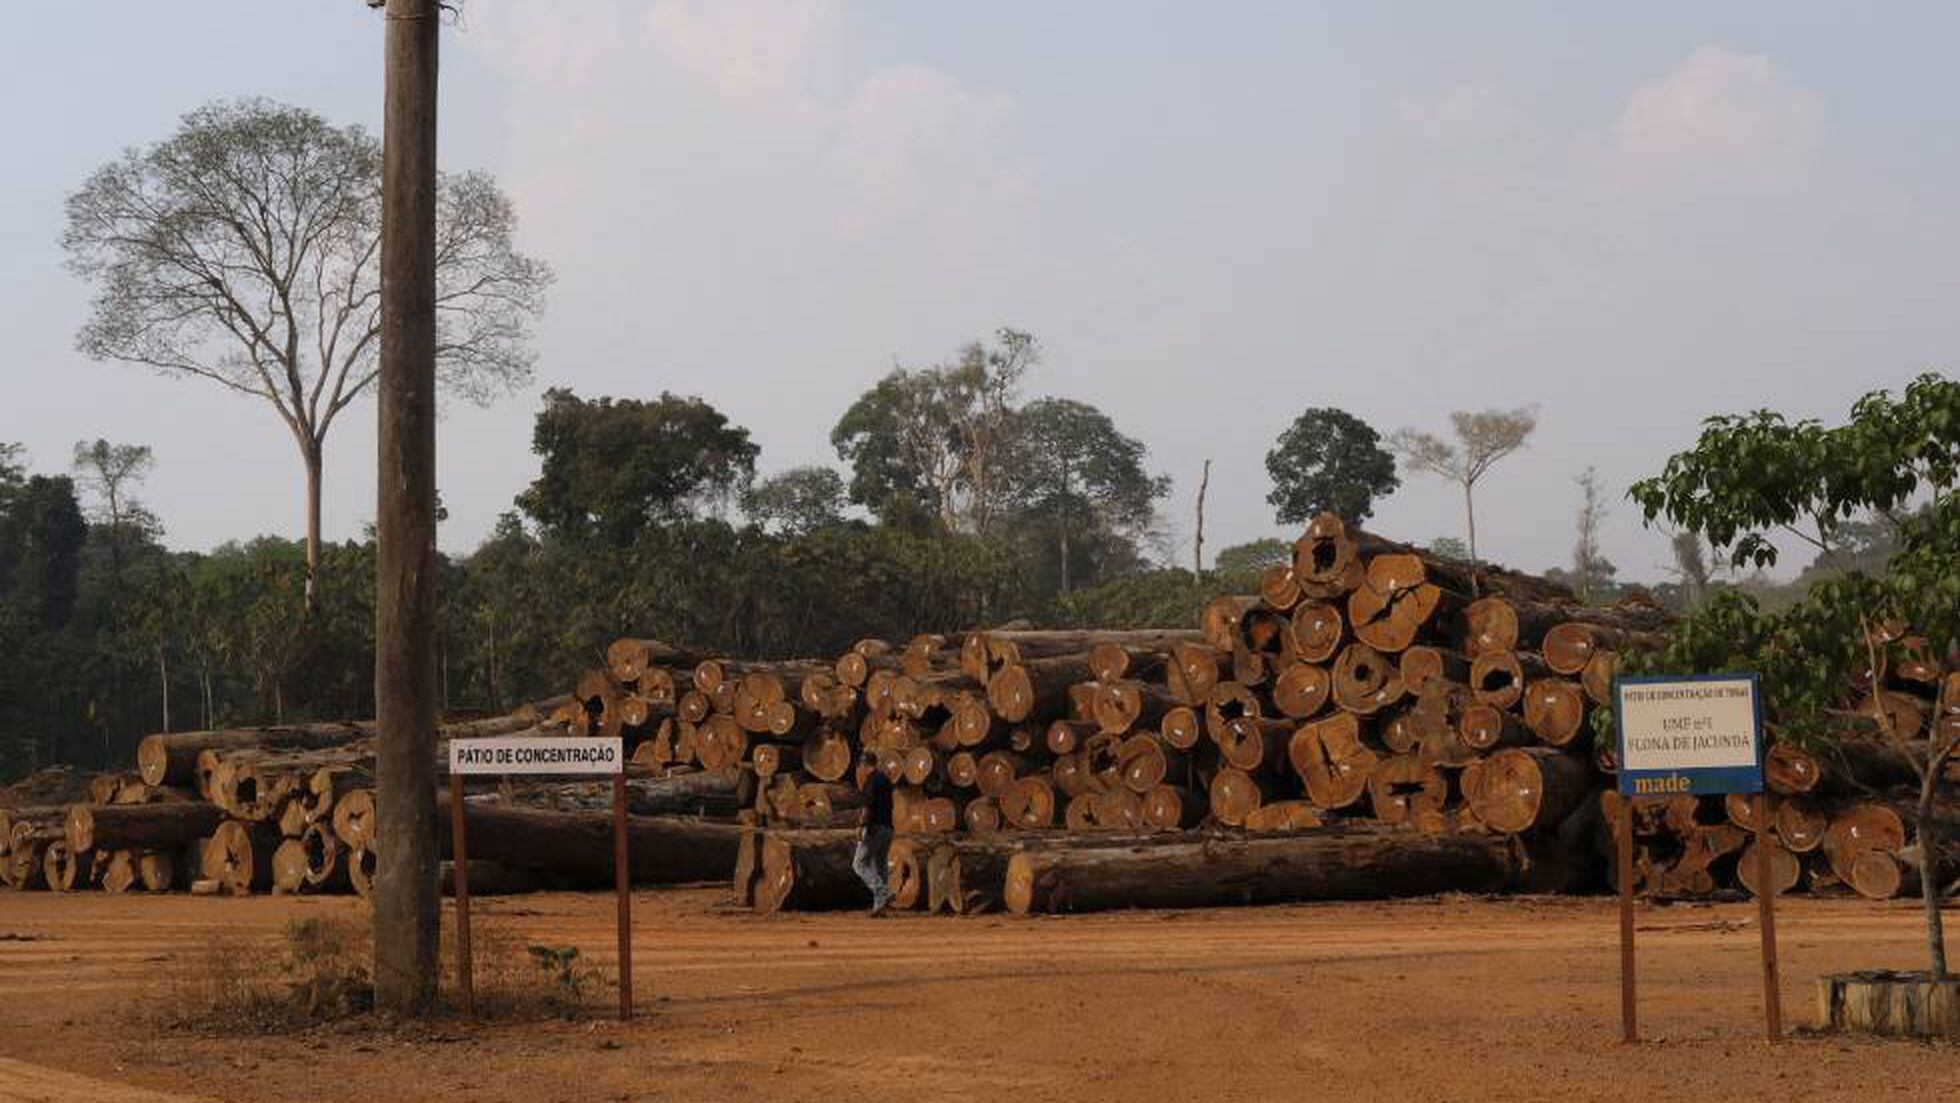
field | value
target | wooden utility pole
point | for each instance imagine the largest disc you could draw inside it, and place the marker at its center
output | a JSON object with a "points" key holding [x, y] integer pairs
{"points": [[407, 902]]}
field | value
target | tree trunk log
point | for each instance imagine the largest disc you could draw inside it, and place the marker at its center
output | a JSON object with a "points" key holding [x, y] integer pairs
{"points": [[1331, 864]]}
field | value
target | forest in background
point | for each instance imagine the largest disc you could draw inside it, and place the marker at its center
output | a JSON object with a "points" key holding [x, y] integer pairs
{"points": [[958, 504]]}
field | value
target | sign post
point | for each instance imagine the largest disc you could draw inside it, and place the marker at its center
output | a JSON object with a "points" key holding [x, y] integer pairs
{"points": [[1697, 734], [520, 754]]}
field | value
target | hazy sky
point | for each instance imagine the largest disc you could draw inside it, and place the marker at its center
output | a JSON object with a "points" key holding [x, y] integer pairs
{"points": [[1212, 215]]}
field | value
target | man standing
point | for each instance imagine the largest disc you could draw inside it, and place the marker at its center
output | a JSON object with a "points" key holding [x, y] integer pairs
{"points": [[874, 831]]}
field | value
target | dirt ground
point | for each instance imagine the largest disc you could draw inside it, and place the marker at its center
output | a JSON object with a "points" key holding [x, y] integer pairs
{"points": [[1450, 999]]}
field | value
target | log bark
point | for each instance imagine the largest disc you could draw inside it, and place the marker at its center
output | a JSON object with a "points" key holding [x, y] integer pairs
{"points": [[809, 871], [1331, 864], [578, 847], [139, 826]]}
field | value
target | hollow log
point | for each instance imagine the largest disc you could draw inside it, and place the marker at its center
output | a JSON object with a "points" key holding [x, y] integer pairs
{"points": [[1408, 789], [1365, 680], [1330, 864], [905, 873]]}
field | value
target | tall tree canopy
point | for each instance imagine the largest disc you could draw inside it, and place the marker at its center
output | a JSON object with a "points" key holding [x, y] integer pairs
{"points": [[927, 442], [243, 250], [798, 501], [615, 467], [1328, 459], [41, 537], [1068, 466]]}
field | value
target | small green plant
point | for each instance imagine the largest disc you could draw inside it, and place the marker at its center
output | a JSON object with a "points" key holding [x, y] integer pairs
{"points": [[565, 976]]}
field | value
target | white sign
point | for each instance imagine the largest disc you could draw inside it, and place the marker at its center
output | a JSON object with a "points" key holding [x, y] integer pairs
{"points": [[1691, 734], [521, 754]]}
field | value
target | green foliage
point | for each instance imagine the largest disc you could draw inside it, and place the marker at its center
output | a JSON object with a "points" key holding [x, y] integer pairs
{"points": [[1449, 547], [1748, 476], [925, 445], [1328, 460], [566, 977], [798, 501], [1072, 474], [613, 468], [1254, 556], [1754, 474]]}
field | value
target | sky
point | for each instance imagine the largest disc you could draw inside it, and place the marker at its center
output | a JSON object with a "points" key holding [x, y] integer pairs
{"points": [[1211, 215]]}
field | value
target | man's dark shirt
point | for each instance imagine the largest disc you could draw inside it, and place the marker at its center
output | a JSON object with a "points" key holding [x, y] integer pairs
{"points": [[878, 800]]}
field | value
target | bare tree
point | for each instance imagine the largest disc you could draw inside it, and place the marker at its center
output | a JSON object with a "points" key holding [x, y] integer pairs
{"points": [[109, 473], [1482, 438], [244, 248], [1198, 538], [1590, 569]]}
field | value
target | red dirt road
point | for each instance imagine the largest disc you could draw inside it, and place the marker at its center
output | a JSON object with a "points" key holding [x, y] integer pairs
{"points": [[1451, 999]]}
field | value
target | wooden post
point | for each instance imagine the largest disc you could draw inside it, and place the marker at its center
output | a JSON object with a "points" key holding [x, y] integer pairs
{"points": [[460, 855], [407, 904], [1766, 905], [623, 879], [1628, 1021]]}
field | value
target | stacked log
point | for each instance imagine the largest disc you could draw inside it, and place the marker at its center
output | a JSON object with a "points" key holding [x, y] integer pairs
{"points": [[1374, 721], [1372, 705]]}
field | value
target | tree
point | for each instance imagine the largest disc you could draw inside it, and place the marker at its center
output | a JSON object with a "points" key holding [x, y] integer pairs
{"points": [[798, 501], [41, 537], [109, 472], [243, 250], [1482, 438], [1753, 475], [615, 467], [1072, 469], [925, 442], [1328, 460], [1591, 571], [1449, 547], [1253, 556]]}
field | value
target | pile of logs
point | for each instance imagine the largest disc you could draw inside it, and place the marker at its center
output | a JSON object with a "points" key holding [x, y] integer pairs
{"points": [[290, 809], [1376, 721]]}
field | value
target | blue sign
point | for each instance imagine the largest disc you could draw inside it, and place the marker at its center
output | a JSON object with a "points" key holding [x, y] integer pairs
{"points": [[1689, 733]]}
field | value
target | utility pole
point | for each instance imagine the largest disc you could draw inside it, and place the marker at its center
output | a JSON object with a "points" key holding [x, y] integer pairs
{"points": [[407, 904]]}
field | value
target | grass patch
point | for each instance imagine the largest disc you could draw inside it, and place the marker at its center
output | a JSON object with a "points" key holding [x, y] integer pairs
{"points": [[319, 972]]}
